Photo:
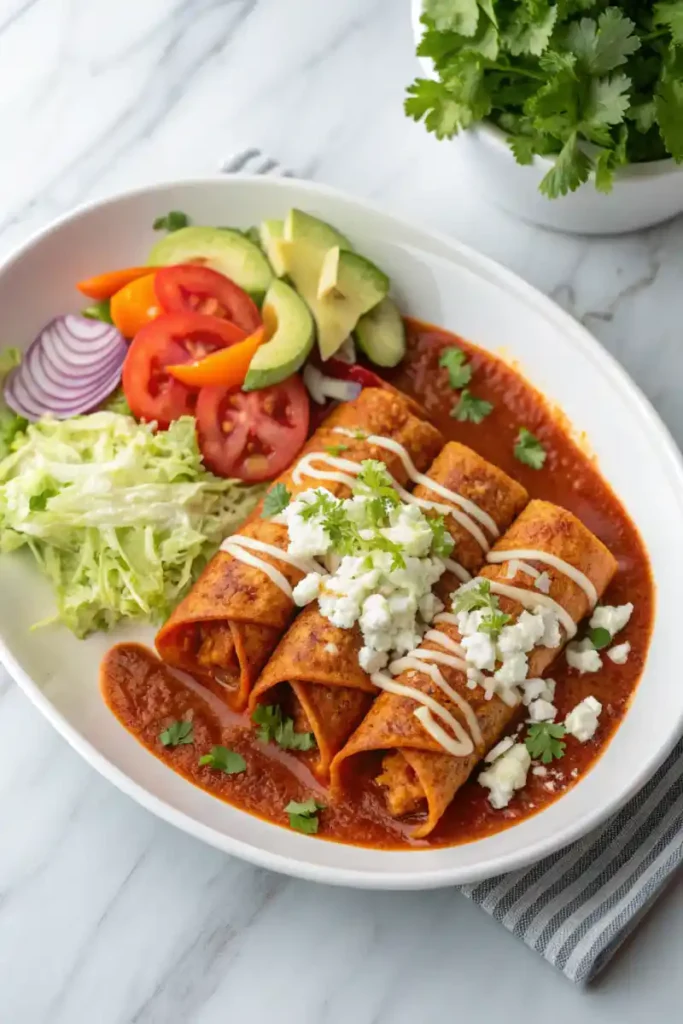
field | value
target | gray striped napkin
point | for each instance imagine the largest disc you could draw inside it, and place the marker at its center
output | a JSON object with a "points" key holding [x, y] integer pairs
{"points": [[577, 906]]}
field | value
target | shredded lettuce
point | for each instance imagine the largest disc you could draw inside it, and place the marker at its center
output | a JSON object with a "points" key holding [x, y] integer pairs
{"points": [[120, 518], [11, 425]]}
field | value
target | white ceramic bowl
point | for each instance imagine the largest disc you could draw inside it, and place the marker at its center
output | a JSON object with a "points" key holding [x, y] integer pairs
{"points": [[438, 280], [643, 194]]}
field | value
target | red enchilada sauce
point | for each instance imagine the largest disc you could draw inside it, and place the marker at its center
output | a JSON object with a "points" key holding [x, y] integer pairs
{"points": [[146, 697]]}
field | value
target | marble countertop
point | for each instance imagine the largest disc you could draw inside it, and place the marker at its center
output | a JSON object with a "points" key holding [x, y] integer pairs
{"points": [[107, 914]]}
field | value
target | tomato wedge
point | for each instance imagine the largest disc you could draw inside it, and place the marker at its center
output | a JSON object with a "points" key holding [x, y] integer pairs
{"points": [[103, 286], [188, 287], [151, 392], [135, 305], [252, 435]]}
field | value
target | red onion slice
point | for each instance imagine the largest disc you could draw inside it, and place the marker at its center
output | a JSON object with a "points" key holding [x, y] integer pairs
{"points": [[72, 366]]}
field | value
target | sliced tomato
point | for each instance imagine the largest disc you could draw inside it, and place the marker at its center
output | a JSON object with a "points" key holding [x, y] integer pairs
{"points": [[252, 435], [191, 288], [151, 392]]}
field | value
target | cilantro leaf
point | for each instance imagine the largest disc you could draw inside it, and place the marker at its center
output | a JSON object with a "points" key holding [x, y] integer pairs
{"points": [[277, 499], [529, 450], [669, 105], [455, 15], [493, 622], [375, 481], [274, 727], [670, 13], [602, 45], [172, 221], [223, 760], [442, 542], [471, 597], [571, 169], [459, 370], [303, 816], [600, 637], [177, 734], [471, 408], [530, 32], [544, 741], [336, 449]]}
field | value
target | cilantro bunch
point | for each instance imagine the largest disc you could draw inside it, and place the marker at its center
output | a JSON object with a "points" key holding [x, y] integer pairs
{"points": [[593, 84]]}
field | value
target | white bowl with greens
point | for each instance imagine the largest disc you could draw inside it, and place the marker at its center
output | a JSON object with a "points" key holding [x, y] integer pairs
{"points": [[574, 118]]}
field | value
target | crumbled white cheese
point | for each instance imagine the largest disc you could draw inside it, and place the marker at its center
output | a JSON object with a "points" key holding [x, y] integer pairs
{"points": [[307, 589], [551, 637], [542, 583], [532, 689], [613, 618], [392, 606], [500, 748], [619, 654], [512, 568], [331, 648], [372, 661], [582, 721], [410, 530], [480, 651], [513, 670], [542, 711], [507, 774], [523, 635], [539, 770], [582, 655]]}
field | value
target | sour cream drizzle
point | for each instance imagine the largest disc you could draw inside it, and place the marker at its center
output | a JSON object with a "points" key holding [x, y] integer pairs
{"points": [[461, 745], [575, 575], [236, 546], [452, 497]]}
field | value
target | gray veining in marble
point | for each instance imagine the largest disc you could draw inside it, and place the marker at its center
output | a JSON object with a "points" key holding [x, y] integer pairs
{"points": [[106, 914]]}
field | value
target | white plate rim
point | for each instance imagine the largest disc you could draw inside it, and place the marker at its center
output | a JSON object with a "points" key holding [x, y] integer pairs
{"points": [[352, 877]]}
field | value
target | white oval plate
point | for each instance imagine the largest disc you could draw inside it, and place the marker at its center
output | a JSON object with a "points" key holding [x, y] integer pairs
{"points": [[438, 280]]}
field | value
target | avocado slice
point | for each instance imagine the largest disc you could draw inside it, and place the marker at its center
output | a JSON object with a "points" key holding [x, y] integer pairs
{"points": [[221, 249], [358, 286], [271, 233], [291, 340], [381, 334], [302, 227]]}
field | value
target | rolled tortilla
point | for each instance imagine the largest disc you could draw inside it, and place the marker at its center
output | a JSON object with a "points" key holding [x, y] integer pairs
{"points": [[418, 776], [314, 673], [227, 627]]}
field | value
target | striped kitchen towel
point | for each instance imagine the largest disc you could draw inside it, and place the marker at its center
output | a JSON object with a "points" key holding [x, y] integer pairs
{"points": [[577, 906]]}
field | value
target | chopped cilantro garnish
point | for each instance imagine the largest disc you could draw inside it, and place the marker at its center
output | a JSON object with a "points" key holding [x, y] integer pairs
{"points": [[172, 221], [544, 741], [600, 637], [493, 622], [529, 450], [336, 449], [471, 597], [459, 370], [177, 734], [274, 727], [471, 408], [277, 499], [375, 481], [442, 542], [223, 760], [360, 435], [303, 816]]}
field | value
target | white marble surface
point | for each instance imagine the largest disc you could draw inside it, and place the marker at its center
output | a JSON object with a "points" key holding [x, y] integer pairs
{"points": [[107, 915]]}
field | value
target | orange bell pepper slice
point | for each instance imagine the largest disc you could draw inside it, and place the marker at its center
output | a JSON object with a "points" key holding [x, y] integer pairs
{"points": [[103, 286], [135, 305], [226, 368]]}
